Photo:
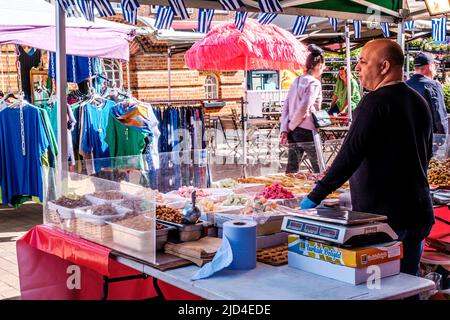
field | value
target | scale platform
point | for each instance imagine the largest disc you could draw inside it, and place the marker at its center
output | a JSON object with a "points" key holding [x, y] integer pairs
{"points": [[343, 227]]}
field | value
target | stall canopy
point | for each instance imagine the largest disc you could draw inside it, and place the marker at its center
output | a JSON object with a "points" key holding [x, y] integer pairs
{"points": [[32, 23], [388, 10]]}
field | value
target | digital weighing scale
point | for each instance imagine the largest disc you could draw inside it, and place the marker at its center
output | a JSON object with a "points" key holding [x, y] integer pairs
{"points": [[339, 226]]}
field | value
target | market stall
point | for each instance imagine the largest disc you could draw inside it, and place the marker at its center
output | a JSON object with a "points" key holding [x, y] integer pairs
{"points": [[167, 252], [100, 253], [119, 229]]}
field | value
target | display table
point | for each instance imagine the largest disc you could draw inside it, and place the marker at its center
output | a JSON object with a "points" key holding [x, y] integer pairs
{"points": [[46, 254], [281, 283]]}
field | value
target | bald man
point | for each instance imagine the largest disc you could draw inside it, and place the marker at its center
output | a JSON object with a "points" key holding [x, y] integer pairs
{"points": [[386, 152]]}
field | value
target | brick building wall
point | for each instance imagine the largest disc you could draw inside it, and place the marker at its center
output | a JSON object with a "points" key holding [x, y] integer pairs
{"points": [[8, 70], [149, 79]]}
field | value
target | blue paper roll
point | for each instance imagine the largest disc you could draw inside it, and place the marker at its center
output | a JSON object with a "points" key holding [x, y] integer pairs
{"points": [[241, 235]]}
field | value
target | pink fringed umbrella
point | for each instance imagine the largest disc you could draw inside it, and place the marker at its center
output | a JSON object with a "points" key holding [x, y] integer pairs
{"points": [[257, 47]]}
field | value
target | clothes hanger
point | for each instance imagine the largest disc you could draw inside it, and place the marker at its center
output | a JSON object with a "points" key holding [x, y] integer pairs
{"points": [[20, 102], [95, 98]]}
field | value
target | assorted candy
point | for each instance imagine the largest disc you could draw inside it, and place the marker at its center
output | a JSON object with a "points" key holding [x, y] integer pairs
{"points": [[259, 205], [226, 183], [208, 205], [186, 192], [276, 191], [236, 200]]}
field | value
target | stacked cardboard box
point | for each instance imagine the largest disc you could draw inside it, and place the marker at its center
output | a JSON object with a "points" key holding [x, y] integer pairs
{"points": [[352, 265]]}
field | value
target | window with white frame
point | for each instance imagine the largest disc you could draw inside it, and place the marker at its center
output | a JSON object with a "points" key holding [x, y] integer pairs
{"points": [[211, 87], [111, 68]]}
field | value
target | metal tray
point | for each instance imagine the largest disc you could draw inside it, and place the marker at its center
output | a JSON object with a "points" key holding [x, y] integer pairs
{"points": [[185, 227], [186, 232], [338, 216]]}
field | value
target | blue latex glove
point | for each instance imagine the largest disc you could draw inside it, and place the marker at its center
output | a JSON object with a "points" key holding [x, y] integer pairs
{"points": [[307, 204]]}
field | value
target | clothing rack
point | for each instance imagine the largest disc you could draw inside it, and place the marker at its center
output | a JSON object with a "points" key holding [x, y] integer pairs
{"points": [[201, 103]]}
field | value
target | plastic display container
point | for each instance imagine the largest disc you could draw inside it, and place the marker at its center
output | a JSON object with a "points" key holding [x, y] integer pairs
{"points": [[174, 201], [63, 212], [87, 215], [249, 188], [98, 200], [209, 216], [139, 240], [272, 224]]}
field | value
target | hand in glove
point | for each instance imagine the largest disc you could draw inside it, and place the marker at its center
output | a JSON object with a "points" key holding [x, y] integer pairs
{"points": [[307, 204]]}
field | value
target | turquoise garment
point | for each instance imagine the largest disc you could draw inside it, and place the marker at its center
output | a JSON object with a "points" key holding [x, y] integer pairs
{"points": [[94, 133]]}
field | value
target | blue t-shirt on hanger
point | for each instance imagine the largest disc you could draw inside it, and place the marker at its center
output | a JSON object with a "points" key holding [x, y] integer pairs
{"points": [[81, 67], [21, 174], [94, 132]]}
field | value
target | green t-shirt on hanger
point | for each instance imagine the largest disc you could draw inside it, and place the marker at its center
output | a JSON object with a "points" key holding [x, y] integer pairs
{"points": [[126, 144]]}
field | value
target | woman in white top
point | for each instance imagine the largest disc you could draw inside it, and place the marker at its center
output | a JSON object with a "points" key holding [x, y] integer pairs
{"points": [[297, 124]]}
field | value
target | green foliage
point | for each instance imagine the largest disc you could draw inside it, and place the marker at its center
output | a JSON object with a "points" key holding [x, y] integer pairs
{"points": [[417, 43], [353, 54], [447, 96]]}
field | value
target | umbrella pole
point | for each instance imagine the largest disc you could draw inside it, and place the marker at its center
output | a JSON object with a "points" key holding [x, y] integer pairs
{"points": [[349, 70], [407, 63], [61, 78], [279, 86], [169, 56], [244, 117]]}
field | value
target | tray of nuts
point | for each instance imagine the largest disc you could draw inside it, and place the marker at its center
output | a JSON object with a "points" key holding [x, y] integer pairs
{"points": [[439, 174], [170, 216], [65, 206]]}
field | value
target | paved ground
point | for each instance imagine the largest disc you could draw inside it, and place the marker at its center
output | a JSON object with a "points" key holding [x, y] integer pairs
{"points": [[14, 223]]}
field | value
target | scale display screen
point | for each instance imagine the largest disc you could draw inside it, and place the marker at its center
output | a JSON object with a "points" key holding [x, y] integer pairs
{"points": [[312, 229], [295, 225], [329, 232]]}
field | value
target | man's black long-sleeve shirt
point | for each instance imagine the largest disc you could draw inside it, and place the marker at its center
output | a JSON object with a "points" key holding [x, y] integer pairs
{"points": [[386, 154]]}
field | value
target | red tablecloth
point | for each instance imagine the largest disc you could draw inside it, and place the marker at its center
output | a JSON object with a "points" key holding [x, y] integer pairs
{"points": [[47, 257], [57, 265], [440, 230]]}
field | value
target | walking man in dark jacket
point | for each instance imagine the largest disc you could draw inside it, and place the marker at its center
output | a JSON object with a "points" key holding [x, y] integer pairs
{"points": [[386, 152], [422, 81]]}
